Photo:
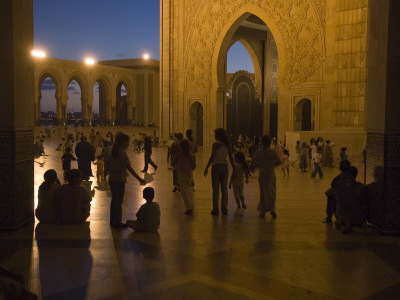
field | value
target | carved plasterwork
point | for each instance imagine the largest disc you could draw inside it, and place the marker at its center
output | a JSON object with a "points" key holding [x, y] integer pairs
{"points": [[297, 21]]}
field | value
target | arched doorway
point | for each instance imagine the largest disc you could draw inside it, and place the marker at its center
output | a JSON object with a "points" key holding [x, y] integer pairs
{"points": [[121, 108], [196, 122], [303, 119], [48, 103], [244, 111], [74, 104], [256, 102]]}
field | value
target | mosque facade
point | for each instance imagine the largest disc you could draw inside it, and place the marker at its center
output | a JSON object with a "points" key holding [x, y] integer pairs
{"points": [[309, 57]]}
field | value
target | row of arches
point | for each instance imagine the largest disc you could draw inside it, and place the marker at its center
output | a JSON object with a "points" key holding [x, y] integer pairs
{"points": [[73, 114], [70, 93]]}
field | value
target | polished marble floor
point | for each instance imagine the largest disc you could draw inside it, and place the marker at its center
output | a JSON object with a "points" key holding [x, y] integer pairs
{"points": [[239, 256]]}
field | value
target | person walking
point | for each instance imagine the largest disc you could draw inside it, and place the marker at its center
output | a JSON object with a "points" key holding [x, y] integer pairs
{"points": [[148, 150], [193, 147], [85, 154], [266, 160], [316, 160], [119, 165], [221, 152], [184, 163]]}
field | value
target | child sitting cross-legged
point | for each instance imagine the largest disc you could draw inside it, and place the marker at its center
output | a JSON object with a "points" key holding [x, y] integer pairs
{"points": [[148, 215]]}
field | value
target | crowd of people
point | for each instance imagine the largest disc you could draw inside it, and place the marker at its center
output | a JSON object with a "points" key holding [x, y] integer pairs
{"points": [[70, 202]]}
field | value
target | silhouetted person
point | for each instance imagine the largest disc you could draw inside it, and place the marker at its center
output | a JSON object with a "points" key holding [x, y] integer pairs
{"points": [[221, 153], [148, 150], [73, 199], [47, 209], [344, 188], [119, 165], [66, 160], [84, 153], [148, 215]]}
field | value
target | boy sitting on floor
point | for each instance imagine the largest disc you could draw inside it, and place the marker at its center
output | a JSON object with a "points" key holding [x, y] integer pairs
{"points": [[148, 215]]}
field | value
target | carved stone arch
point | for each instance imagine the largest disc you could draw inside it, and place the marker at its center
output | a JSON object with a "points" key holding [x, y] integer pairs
{"points": [[237, 76], [304, 115], [244, 110], [297, 32], [196, 121], [257, 61], [123, 104], [105, 98], [107, 83], [55, 76], [127, 83], [82, 80]]}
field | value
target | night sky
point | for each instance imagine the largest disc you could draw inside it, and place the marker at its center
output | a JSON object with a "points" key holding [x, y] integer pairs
{"points": [[105, 30]]}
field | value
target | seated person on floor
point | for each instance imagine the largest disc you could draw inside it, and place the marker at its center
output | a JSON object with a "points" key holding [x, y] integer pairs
{"points": [[73, 199], [47, 209], [359, 214], [148, 215], [330, 206], [346, 191]]}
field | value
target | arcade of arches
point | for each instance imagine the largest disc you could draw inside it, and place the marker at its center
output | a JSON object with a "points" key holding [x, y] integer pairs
{"points": [[319, 66], [140, 79]]}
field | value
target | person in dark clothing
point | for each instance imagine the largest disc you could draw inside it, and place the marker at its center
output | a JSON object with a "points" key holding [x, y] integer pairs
{"points": [[73, 200], [148, 150], [66, 160], [344, 188], [85, 154]]}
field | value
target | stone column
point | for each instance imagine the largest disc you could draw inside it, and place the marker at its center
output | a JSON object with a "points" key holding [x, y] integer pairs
{"points": [[37, 113], [16, 114], [59, 111], [383, 122], [129, 110], [89, 115], [84, 112]]}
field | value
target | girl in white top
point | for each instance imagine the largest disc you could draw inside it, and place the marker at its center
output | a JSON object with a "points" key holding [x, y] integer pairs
{"points": [[221, 150], [285, 162]]}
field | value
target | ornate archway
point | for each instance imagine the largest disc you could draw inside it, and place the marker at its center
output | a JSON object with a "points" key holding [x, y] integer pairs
{"points": [[303, 119], [244, 110], [198, 65], [196, 122]]}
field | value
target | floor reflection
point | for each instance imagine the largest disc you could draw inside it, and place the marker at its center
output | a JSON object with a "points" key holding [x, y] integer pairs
{"points": [[65, 262]]}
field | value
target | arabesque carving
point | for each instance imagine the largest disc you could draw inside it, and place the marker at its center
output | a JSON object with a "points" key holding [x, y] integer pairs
{"points": [[297, 21]]}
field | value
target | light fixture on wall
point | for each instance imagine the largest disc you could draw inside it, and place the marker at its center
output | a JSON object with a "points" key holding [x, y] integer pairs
{"points": [[89, 61], [38, 53]]}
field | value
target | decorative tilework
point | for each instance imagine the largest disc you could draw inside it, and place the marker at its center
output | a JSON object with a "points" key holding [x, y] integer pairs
{"points": [[383, 150], [16, 178]]}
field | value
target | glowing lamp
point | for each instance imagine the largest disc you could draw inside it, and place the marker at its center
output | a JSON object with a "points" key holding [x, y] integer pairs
{"points": [[89, 61], [38, 53]]}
